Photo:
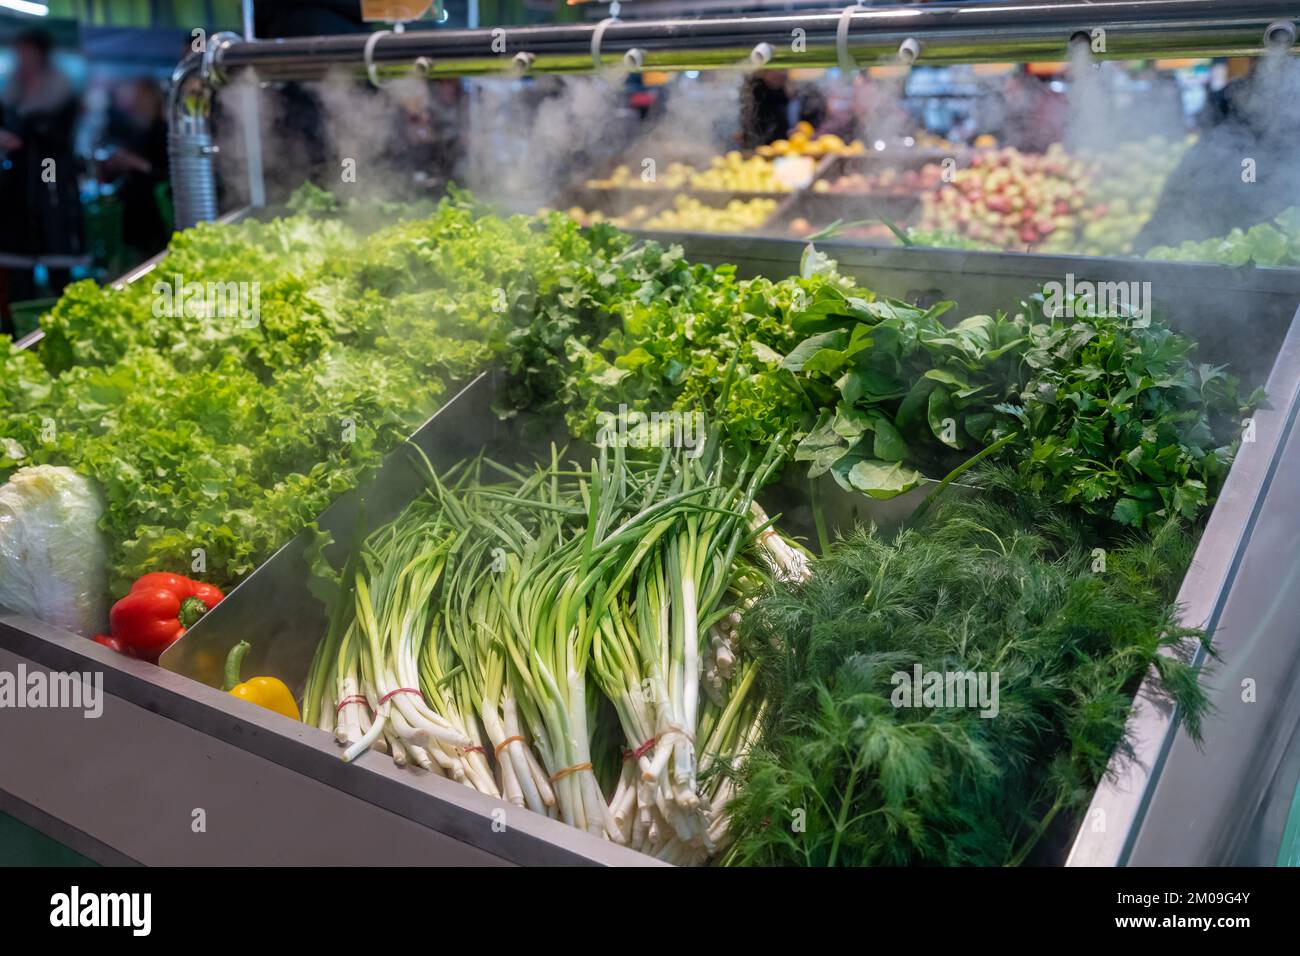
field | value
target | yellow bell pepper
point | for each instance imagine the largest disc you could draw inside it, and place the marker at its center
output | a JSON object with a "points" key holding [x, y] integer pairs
{"points": [[268, 692]]}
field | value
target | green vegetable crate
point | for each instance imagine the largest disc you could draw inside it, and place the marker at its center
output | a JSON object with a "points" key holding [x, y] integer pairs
{"points": [[221, 751]]}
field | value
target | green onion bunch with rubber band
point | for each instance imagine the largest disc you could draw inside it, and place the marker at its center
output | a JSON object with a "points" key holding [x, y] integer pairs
{"points": [[564, 637]]}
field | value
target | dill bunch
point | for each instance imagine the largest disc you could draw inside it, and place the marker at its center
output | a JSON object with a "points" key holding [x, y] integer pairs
{"points": [[998, 583]]}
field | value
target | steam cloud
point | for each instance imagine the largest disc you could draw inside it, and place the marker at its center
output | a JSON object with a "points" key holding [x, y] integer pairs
{"points": [[528, 144]]}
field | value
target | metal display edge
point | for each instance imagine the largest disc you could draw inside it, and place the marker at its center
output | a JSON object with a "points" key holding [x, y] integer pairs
{"points": [[1125, 792], [442, 805]]}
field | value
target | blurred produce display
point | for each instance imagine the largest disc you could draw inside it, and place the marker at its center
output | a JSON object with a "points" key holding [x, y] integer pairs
{"points": [[1015, 200], [1056, 202], [1127, 180], [889, 181], [803, 143], [1267, 244], [928, 140], [738, 174], [858, 230], [674, 176], [595, 217], [691, 215], [731, 172], [873, 232]]}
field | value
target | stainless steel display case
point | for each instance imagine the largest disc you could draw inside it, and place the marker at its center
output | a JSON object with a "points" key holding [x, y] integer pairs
{"points": [[129, 785]]}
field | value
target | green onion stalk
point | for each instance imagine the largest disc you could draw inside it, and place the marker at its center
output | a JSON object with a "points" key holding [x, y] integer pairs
{"points": [[693, 569], [548, 639], [389, 678], [475, 623]]}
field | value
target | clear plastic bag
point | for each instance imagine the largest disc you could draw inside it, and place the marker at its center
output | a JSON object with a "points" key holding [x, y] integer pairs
{"points": [[53, 558]]}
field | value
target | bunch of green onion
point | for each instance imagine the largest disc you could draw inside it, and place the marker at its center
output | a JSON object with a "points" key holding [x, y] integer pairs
{"points": [[536, 605]]}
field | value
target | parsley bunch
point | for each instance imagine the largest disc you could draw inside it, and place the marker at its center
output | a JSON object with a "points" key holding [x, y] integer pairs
{"points": [[1117, 419]]}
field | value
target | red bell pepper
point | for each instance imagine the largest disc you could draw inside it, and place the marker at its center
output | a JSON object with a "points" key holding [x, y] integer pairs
{"points": [[112, 643], [157, 612]]}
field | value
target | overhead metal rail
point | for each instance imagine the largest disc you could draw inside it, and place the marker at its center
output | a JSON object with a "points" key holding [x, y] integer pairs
{"points": [[856, 35]]}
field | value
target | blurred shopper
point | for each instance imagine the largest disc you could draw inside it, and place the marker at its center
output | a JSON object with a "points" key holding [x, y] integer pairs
{"points": [[136, 134], [424, 148], [38, 171], [1219, 102], [447, 125], [764, 108], [810, 106], [840, 118], [1241, 170], [1028, 113]]}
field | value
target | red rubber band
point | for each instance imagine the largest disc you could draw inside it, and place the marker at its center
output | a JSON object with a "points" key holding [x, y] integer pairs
{"points": [[354, 699], [474, 749], [401, 690], [640, 751]]}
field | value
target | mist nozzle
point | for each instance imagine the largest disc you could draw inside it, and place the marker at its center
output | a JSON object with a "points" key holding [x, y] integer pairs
{"points": [[909, 50], [634, 58], [523, 61], [210, 67], [761, 55], [1279, 35]]}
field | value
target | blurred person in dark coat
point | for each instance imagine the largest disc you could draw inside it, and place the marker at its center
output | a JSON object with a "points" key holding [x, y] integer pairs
{"points": [[137, 135], [1027, 113], [1241, 170], [764, 108], [447, 124], [38, 170]]}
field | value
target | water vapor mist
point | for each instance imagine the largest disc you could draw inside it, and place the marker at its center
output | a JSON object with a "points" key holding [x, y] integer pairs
{"points": [[345, 136], [530, 141]]}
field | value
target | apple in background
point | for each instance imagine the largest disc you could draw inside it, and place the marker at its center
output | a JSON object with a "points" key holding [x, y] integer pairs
{"points": [[1018, 198]]}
